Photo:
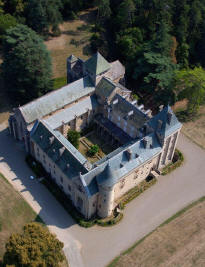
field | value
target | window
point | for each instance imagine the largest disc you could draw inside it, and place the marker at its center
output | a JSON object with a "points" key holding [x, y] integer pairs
{"points": [[80, 188], [61, 178], [69, 187], [37, 149], [94, 204], [81, 117]]}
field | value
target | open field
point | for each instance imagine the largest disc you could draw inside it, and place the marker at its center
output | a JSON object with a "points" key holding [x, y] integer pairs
{"points": [[195, 130], [14, 212], [177, 242], [73, 40]]}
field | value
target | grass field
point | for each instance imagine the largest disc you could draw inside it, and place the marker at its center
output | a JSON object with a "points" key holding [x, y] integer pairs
{"points": [[73, 40], [194, 129], [179, 241], [14, 212]]}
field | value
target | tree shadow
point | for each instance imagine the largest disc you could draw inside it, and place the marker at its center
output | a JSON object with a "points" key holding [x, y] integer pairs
{"points": [[87, 51]]}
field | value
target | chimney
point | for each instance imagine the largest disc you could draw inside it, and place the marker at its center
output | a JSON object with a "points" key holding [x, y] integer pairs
{"points": [[169, 117], [129, 154], [159, 124], [145, 142]]}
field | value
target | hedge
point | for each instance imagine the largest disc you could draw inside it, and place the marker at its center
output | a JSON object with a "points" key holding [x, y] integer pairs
{"points": [[177, 162]]}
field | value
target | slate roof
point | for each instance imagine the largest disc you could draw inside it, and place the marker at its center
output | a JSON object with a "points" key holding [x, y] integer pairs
{"points": [[105, 88], [120, 164], [122, 136], [97, 64], [59, 150], [123, 106], [56, 99], [68, 114], [116, 71], [168, 127]]}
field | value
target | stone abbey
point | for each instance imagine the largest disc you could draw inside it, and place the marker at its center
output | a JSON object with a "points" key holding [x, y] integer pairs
{"points": [[95, 95]]}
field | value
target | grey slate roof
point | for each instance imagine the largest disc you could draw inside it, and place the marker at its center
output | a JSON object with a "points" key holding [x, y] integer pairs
{"points": [[122, 136], [120, 165], [68, 114], [60, 150], [167, 127], [56, 99], [97, 64], [105, 88], [116, 71], [138, 118]]}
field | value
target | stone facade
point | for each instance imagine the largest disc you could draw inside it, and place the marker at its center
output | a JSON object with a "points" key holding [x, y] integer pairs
{"points": [[145, 143]]}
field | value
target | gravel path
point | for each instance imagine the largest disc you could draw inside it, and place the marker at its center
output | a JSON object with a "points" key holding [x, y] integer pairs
{"points": [[97, 246]]}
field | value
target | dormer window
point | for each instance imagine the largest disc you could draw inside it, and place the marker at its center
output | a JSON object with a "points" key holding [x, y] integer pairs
{"points": [[159, 125]]}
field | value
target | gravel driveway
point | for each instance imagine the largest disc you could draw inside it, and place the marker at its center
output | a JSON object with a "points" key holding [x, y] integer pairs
{"points": [[97, 246]]}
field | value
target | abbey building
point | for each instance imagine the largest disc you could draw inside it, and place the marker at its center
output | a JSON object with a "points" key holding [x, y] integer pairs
{"points": [[134, 143]]}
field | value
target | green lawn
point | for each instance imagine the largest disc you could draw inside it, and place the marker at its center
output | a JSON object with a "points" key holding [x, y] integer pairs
{"points": [[14, 212]]}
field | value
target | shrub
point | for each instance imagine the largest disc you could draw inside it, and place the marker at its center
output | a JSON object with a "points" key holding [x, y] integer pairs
{"points": [[93, 150], [177, 161], [73, 137]]}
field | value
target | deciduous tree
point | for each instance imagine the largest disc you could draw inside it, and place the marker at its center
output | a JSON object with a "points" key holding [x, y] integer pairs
{"points": [[190, 84], [34, 247]]}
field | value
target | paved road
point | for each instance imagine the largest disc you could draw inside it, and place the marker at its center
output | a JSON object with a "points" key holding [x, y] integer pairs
{"points": [[96, 246]]}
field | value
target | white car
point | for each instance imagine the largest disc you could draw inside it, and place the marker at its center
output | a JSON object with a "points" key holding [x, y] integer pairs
{"points": [[32, 177]]}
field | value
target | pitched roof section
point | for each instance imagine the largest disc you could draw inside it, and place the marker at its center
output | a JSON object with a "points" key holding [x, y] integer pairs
{"points": [[105, 88], [68, 114], [72, 58], [97, 64], [168, 124], [59, 150], [56, 99]]}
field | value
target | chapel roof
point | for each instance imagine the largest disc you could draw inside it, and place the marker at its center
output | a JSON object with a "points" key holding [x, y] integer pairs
{"points": [[97, 64]]}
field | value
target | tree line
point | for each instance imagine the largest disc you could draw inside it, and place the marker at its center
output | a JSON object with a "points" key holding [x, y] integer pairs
{"points": [[156, 40]]}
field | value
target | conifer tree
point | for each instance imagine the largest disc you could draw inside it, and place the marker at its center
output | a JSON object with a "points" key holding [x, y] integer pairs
{"points": [[27, 64]]}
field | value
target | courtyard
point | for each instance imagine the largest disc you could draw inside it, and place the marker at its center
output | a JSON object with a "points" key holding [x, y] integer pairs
{"points": [[93, 138]]}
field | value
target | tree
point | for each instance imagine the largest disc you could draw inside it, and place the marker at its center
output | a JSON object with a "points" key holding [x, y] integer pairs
{"points": [[125, 14], [6, 22], [93, 150], [73, 137], [42, 14], [27, 64], [156, 65], [36, 246], [190, 84], [104, 10]]}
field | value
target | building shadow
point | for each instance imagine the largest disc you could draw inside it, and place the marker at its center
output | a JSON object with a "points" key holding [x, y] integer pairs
{"points": [[50, 210]]}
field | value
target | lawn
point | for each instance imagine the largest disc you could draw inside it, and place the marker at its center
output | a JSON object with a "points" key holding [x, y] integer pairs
{"points": [[177, 242], [73, 40], [14, 212]]}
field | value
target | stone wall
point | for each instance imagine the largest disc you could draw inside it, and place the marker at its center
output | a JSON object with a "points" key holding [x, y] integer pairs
{"points": [[135, 177]]}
